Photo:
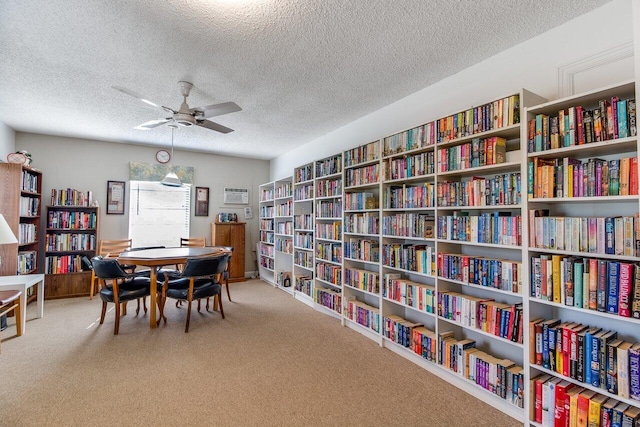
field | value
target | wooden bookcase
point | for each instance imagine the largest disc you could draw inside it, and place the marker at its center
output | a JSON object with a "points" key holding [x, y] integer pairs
{"points": [[441, 279], [20, 204], [71, 233], [231, 234]]}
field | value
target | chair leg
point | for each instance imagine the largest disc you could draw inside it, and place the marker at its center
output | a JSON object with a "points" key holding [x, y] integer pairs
{"points": [[116, 328], [226, 283], [219, 296], [138, 306], [144, 304], [206, 307], [104, 312], [198, 306], [124, 308], [186, 329]]}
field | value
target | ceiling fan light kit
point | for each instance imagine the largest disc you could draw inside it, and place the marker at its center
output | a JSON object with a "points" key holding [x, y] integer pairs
{"points": [[171, 179]]}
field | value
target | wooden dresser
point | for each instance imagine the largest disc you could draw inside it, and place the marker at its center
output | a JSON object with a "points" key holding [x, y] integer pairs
{"points": [[231, 234]]}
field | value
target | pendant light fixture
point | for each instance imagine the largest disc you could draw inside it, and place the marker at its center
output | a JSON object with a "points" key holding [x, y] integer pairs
{"points": [[171, 179]]}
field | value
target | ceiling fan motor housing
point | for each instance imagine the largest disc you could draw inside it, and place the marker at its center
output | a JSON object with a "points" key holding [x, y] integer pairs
{"points": [[183, 119]]}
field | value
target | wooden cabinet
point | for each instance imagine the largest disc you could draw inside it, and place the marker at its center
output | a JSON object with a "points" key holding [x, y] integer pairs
{"points": [[71, 234], [231, 234], [20, 202]]}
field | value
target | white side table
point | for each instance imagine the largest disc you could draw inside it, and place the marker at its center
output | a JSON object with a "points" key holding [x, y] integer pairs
{"points": [[22, 283]]}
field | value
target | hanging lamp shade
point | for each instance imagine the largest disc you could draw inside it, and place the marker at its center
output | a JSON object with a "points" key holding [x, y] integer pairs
{"points": [[171, 179]]}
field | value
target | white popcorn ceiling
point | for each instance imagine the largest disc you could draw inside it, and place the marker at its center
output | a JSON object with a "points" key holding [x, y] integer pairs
{"points": [[298, 68]]}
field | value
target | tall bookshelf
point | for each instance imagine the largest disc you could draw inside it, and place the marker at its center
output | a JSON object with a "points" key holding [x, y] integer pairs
{"points": [[328, 235], [283, 224], [462, 227], [266, 245], [361, 239], [303, 223], [583, 183], [71, 233]]}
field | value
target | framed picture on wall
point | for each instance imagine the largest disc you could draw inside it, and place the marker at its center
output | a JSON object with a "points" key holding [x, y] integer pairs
{"points": [[202, 201], [115, 197]]}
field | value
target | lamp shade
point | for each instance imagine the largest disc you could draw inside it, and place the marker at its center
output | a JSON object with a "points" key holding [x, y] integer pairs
{"points": [[171, 180], [6, 235]]}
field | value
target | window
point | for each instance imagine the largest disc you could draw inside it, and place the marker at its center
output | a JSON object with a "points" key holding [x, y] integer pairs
{"points": [[158, 215]]}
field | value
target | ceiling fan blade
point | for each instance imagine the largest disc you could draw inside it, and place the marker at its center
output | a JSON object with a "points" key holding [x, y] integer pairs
{"points": [[141, 98], [152, 124], [213, 126], [216, 109]]}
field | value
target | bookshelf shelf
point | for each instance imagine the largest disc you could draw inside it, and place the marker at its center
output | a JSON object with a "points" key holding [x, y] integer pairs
{"points": [[604, 315], [484, 288], [481, 170], [508, 132]]}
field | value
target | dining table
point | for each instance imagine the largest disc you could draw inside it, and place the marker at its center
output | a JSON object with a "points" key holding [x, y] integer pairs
{"points": [[160, 257]]}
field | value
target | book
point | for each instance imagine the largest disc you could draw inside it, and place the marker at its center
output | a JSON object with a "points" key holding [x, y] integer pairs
{"points": [[594, 410], [537, 396], [635, 292], [625, 284], [612, 287], [634, 371], [623, 368], [584, 400], [611, 371], [560, 414], [631, 417], [617, 413]]}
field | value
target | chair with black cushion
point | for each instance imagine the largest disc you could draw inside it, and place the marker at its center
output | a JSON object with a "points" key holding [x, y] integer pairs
{"points": [[10, 301], [118, 287], [199, 279], [110, 249]]}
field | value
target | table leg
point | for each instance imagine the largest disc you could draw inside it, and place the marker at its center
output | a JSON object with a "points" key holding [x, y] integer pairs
{"points": [[153, 298], [23, 303], [40, 298]]}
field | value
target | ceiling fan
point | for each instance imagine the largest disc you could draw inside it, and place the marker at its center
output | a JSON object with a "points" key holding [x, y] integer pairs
{"points": [[186, 116]]}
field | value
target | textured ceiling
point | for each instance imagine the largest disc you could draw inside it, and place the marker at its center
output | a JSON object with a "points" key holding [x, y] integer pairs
{"points": [[298, 68]]}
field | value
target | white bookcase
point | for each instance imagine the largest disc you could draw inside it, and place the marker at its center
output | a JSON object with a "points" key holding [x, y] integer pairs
{"points": [[303, 221], [283, 223], [266, 245], [440, 233]]}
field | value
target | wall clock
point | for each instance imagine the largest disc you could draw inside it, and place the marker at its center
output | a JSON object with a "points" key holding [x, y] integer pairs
{"points": [[18, 158], [163, 156]]}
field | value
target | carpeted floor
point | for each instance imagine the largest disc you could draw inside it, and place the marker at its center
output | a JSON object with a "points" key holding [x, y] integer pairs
{"points": [[272, 362]]}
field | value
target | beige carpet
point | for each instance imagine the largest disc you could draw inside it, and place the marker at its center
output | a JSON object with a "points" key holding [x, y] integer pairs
{"points": [[272, 362]]}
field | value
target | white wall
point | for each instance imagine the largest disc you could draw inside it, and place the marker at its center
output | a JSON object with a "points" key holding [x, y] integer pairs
{"points": [[88, 165], [7, 141], [532, 65]]}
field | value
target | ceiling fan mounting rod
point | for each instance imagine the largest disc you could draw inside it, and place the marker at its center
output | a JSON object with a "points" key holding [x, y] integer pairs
{"points": [[186, 88]]}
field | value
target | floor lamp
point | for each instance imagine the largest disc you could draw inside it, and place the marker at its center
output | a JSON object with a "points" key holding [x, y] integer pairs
{"points": [[6, 237]]}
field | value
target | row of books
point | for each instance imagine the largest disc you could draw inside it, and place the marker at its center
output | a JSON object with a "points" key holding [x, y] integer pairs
{"points": [[596, 235], [71, 197], [329, 298], [420, 164], [266, 250], [266, 224], [29, 182], [329, 166], [267, 237], [267, 263], [361, 154], [494, 115], [408, 225], [568, 177], [303, 240], [304, 284], [399, 330], [29, 206], [362, 279], [503, 189], [284, 209], [363, 314], [266, 194], [284, 245], [267, 211], [283, 278], [303, 259], [72, 220], [493, 273], [329, 251], [303, 192], [501, 377], [303, 173], [409, 196], [303, 222], [27, 233], [560, 402], [590, 355], [331, 230], [361, 223], [611, 119], [498, 228], [360, 201], [329, 188], [69, 242], [283, 190], [410, 257], [425, 343], [410, 293], [329, 208], [329, 273], [63, 264], [363, 175], [477, 153], [412, 139], [595, 284], [27, 262], [285, 227]]}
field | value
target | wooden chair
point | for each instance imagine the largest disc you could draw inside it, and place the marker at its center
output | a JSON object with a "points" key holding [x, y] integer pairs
{"points": [[193, 242], [108, 249], [10, 300]]}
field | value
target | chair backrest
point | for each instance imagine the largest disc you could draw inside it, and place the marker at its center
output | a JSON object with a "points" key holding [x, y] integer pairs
{"points": [[193, 242], [201, 267], [113, 248], [107, 269]]}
